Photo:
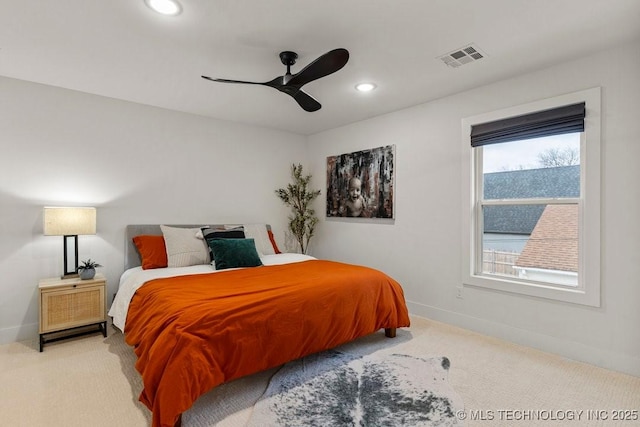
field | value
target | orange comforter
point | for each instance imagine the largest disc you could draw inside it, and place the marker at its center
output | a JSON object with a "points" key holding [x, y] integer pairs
{"points": [[192, 333]]}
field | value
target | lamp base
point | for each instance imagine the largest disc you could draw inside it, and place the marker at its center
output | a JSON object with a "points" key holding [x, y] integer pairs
{"points": [[68, 274]]}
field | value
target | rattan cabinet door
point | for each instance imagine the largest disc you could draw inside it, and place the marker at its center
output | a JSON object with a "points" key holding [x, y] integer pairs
{"points": [[71, 306]]}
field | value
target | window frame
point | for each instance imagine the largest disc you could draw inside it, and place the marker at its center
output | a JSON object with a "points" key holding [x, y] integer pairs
{"points": [[588, 290]]}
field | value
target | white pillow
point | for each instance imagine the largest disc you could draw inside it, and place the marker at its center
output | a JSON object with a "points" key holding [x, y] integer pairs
{"points": [[258, 232], [183, 247]]}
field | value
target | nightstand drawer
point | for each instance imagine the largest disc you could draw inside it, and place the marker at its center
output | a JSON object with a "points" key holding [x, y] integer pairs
{"points": [[70, 307], [67, 304]]}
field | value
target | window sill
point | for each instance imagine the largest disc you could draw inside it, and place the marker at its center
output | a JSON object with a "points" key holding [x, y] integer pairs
{"points": [[539, 290]]}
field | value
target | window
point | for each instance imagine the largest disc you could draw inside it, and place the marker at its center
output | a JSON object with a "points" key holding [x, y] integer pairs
{"points": [[532, 199]]}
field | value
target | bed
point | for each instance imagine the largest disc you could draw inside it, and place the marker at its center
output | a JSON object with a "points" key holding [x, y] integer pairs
{"points": [[195, 327]]}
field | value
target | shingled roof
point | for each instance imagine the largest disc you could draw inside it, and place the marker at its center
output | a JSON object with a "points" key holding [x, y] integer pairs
{"points": [[553, 244], [562, 181]]}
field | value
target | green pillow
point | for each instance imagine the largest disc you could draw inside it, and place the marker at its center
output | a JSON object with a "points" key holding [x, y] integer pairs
{"points": [[233, 253]]}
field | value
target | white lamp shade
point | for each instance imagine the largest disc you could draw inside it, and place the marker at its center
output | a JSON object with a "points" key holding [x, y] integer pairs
{"points": [[59, 221]]}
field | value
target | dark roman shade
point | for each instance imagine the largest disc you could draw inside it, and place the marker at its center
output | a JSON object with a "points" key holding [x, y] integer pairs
{"points": [[566, 119]]}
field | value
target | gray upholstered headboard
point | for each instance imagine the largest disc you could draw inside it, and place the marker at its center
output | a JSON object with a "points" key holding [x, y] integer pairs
{"points": [[131, 256]]}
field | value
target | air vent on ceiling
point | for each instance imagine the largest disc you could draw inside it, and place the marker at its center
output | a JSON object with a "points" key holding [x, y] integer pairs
{"points": [[462, 56]]}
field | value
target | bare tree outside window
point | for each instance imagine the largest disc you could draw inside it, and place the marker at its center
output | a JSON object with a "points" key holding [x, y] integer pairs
{"points": [[554, 157]]}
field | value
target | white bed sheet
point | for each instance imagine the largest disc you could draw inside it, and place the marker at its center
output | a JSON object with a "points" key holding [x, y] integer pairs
{"points": [[135, 277]]}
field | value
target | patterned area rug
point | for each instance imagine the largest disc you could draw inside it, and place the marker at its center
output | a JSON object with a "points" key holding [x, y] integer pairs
{"points": [[339, 389]]}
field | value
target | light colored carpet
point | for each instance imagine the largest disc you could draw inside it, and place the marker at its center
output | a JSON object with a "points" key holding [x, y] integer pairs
{"points": [[91, 381]]}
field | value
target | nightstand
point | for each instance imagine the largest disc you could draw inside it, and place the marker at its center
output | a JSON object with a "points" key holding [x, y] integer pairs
{"points": [[71, 304]]}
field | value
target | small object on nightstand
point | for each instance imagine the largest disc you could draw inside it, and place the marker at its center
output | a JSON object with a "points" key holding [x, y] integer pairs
{"points": [[71, 304], [88, 269]]}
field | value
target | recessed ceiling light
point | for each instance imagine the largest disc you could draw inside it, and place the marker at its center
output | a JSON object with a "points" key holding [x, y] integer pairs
{"points": [[165, 7], [365, 87]]}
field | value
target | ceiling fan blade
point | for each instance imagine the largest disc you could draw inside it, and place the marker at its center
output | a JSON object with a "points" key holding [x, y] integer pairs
{"points": [[277, 83], [306, 101], [327, 64], [231, 81]]}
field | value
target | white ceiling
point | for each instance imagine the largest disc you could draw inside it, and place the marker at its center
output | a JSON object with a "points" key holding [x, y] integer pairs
{"points": [[121, 49]]}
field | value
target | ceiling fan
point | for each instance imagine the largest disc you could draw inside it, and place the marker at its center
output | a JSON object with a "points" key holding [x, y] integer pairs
{"points": [[291, 84]]}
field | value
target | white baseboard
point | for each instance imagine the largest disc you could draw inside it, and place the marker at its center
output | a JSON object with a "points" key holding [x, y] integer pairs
{"points": [[603, 358], [19, 333]]}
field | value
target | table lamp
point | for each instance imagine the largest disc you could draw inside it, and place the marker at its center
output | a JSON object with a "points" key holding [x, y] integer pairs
{"points": [[69, 222]]}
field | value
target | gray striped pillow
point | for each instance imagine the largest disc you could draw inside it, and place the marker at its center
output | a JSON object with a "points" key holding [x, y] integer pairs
{"points": [[184, 248]]}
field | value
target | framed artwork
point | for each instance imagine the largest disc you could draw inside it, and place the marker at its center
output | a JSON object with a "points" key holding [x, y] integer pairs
{"points": [[360, 184]]}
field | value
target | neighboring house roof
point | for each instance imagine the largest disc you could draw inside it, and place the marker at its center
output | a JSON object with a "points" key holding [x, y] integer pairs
{"points": [[520, 219], [562, 181], [553, 244]]}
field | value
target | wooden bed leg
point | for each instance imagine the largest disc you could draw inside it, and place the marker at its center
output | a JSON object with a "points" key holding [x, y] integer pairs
{"points": [[390, 332], [178, 421]]}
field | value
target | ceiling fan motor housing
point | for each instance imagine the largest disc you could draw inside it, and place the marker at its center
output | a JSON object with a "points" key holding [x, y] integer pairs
{"points": [[288, 58]]}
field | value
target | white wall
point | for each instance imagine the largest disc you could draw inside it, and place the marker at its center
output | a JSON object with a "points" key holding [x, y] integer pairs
{"points": [[136, 164], [422, 247], [139, 164]]}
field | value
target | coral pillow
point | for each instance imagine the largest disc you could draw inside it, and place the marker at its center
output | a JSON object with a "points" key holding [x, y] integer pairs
{"points": [[152, 250], [273, 242]]}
